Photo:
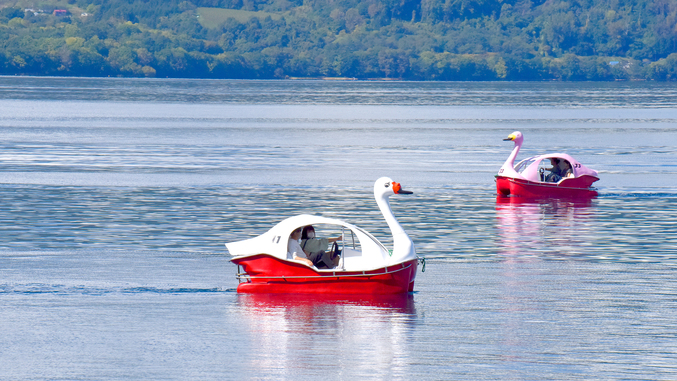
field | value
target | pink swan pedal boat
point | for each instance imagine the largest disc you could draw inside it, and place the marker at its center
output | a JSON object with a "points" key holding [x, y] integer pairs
{"points": [[529, 177], [365, 266]]}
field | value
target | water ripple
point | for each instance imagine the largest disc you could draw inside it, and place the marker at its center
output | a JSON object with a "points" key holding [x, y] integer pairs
{"points": [[456, 224], [92, 290], [570, 95]]}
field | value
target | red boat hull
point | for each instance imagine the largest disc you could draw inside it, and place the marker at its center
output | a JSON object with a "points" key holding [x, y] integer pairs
{"points": [[574, 187], [267, 274]]}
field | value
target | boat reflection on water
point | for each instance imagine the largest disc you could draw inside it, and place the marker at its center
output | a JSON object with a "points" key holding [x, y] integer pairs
{"points": [[552, 226], [395, 303], [291, 331], [545, 201]]}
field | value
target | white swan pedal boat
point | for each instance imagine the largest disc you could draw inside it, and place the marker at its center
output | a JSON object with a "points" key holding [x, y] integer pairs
{"points": [[365, 266]]}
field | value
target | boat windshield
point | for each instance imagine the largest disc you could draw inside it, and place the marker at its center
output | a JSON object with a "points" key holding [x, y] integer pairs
{"points": [[524, 164]]}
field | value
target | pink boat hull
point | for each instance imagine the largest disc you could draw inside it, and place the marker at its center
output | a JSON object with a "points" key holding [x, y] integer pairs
{"points": [[267, 274], [573, 187]]}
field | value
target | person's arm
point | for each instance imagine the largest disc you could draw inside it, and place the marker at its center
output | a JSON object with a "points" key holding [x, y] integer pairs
{"points": [[334, 239], [304, 260], [294, 249]]}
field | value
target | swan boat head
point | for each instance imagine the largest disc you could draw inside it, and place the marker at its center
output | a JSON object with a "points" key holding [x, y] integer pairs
{"points": [[508, 168], [360, 250]]}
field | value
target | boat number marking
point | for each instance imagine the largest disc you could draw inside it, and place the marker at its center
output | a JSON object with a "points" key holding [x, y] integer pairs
{"points": [[276, 239], [500, 170], [577, 165]]}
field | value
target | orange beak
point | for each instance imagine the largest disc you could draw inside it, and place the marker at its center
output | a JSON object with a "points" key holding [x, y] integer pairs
{"points": [[397, 188]]}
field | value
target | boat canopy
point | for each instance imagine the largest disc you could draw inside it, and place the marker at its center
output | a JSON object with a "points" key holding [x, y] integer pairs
{"points": [[528, 168], [365, 254]]}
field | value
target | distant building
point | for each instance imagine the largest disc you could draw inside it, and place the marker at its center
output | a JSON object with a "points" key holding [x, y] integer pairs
{"points": [[60, 12]]}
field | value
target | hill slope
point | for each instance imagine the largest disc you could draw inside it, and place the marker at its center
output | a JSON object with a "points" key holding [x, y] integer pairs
{"points": [[403, 39]]}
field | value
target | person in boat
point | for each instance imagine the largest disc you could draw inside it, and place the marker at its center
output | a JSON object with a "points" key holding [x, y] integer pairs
{"points": [[311, 244], [320, 259], [555, 174], [565, 169]]}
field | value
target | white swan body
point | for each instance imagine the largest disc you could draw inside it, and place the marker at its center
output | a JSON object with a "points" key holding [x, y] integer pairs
{"points": [[403, 247], [367, 254]]}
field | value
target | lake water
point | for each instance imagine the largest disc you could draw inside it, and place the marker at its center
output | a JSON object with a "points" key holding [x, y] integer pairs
{"points": [[119, 194]]}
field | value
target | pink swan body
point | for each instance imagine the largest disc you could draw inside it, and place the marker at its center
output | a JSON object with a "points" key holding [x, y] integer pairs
{"points": [[528, 178]]}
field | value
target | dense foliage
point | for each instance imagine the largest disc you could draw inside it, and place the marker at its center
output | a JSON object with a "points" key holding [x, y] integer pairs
{"points": [[406, 39]]}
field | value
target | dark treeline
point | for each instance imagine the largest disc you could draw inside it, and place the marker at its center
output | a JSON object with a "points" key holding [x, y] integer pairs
{"points": [[403, 39]]}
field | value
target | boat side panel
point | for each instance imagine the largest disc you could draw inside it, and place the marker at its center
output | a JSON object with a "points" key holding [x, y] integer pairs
{"points": [[565, 188], [502, 185], [270, 275], [264, 264], [584, 181]]}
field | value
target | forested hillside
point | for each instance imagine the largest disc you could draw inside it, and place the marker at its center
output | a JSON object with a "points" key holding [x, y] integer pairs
{"points": [[394, 39]]}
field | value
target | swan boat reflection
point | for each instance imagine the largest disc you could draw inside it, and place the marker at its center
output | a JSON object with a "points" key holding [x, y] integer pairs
{"points": [[529, 228]]}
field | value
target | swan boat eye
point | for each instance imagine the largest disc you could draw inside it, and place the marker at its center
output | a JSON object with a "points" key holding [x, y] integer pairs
{"points": [[386, 185]]}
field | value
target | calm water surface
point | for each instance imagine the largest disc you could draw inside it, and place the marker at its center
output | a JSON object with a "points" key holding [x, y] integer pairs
{"points": [[118, 195]]}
